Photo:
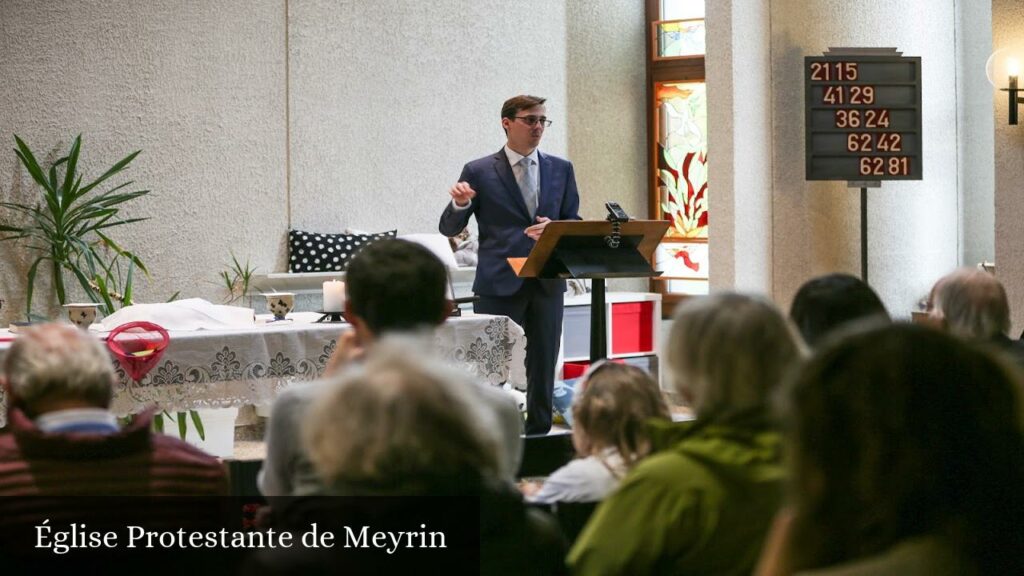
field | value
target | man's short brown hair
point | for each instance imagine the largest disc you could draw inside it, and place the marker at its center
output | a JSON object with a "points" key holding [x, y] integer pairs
{"points": [[515, 104]]}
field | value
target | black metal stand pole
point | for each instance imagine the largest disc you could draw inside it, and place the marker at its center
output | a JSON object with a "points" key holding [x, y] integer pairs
{"points": [[864, 234], [598, 321]]}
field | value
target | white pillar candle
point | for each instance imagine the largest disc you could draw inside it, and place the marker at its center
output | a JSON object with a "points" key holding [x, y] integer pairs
{"points": [[334, 296]]}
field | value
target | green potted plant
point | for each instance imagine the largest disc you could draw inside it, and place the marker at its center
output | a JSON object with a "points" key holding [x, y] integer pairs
{"points": [[68, 227], [236, 279]]}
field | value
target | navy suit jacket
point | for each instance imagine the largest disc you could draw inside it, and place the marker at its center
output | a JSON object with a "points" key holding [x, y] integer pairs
{"points": [[502, 217]]}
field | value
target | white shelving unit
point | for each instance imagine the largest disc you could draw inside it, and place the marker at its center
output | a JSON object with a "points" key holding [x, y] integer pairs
{"points": [[641, 310]]}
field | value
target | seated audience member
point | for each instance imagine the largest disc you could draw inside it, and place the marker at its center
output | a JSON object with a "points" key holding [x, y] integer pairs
{"points": [[63, 455], [907, 459], [609, 433], [972, 303], [703, 501], [826, 303], [397, 426], [62, 440], [393, 287]]}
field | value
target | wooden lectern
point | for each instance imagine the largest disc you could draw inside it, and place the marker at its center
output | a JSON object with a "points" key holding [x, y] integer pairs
{"points": [[595, 250]]}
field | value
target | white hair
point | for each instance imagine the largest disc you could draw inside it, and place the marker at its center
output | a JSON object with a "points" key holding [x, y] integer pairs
{"points": [[59, 361], [396, 421], [973, 304]]}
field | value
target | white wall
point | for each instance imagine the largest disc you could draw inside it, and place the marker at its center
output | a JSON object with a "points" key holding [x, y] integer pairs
{"points": [[199, 88], [390, 99], [375, 106], [975, 133], [740, 145]]}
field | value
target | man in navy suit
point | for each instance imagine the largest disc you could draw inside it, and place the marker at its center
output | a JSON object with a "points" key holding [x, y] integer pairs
{"points": [[514, 194]]}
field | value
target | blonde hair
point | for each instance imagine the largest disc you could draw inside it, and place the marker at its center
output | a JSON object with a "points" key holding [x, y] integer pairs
{"points": [[613, 407], [727, 352], [398, 425], [59, 361]]}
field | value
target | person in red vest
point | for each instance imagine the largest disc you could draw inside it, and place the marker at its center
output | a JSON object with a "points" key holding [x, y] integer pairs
{"points": [[62, 440]]}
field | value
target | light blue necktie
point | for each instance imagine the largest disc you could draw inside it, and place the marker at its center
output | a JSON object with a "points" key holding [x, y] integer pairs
{"points": [[526, 185]]}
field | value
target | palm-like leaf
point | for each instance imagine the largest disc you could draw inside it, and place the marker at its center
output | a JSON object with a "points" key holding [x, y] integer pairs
{"points": [[104, 292], [182, 425], [31, 164], [113, 170], [69, 175], [198, 422], [31, 284]]}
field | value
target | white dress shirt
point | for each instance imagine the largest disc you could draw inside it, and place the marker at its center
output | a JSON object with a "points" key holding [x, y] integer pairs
{"points": [[95, 420]]}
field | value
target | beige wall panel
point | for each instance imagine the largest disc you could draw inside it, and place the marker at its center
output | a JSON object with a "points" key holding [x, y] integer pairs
{"points": [[1007, 27], [607, 124], [913, 225]]}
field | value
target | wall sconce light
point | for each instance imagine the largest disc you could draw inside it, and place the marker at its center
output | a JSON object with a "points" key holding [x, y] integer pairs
{"points": [[1005, 63]]}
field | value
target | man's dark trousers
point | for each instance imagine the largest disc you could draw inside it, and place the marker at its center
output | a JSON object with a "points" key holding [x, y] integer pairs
{"points": [[540, 315]]}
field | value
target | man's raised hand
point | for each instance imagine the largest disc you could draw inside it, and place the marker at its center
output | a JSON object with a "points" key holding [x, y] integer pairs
{"points": [[462, 193]]}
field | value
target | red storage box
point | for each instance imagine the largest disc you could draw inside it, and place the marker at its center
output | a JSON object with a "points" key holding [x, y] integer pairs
{"points": [[572, 370], [632, 327]]}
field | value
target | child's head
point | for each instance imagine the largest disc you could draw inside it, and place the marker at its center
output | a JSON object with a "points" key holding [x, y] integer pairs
{"points": [[610, 410]]}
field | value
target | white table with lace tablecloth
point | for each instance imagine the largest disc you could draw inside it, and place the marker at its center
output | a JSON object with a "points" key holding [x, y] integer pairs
{"points": [[230, 368]]}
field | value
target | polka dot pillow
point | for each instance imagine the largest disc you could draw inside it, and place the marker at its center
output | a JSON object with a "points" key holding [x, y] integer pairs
{"points": [[313, 252]]}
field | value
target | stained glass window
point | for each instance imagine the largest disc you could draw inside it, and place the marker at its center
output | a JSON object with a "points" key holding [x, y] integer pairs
{"points": [[682, 180], [679, 183], [680, 38], [682, 157]]}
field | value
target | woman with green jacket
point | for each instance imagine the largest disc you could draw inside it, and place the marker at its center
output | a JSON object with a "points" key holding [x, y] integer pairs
{"points": [[703, 503]]}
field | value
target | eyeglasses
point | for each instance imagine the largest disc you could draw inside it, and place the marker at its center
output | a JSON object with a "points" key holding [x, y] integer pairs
{"points": [[532, 120]]}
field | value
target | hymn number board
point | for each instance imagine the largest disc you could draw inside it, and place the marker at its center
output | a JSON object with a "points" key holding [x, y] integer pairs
{"points": [[863, 117]]}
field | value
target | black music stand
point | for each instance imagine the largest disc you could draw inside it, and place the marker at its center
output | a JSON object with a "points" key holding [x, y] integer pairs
{"points": [[594, 250]]}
